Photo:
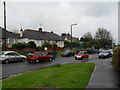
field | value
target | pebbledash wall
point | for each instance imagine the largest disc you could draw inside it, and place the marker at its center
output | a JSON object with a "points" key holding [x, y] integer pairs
{"points": [[119, 23]]}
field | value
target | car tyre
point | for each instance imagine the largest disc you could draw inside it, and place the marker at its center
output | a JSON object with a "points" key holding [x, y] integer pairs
{"points": [[23, 59], [99, 57], [29, 61], [87, 57], [37, 61], [50, 60], [76, 58], [6, 61]]}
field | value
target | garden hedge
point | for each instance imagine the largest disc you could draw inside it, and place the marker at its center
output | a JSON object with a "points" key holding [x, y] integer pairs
{"points": [[116, 58]]}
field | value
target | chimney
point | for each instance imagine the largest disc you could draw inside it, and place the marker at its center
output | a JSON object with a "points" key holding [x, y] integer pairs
{"points": [[21, 32], [52, 32], [40, 29]]}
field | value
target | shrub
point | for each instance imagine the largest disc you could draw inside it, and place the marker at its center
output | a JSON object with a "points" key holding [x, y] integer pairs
{"points": [[19, 46], [116, 58], [46, 44], [32, 44], [54, 45]]}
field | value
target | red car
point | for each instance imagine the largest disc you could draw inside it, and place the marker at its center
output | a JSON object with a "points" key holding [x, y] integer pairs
{"points": [[82, 55], [38, 56]]}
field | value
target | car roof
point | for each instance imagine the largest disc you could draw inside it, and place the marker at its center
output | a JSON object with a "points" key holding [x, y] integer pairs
{"points": [[8, 51]]}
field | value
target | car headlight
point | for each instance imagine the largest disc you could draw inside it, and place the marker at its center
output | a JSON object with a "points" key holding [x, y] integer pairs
{"points": [[78, 56]]}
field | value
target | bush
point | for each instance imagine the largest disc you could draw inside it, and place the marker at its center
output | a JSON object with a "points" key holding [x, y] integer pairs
{"points": [[116, 58], [19, 46], [54, 45], [46, 44], [31, 44]]}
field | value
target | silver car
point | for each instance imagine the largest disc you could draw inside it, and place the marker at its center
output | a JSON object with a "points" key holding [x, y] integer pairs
{"points": [[8, 56]]}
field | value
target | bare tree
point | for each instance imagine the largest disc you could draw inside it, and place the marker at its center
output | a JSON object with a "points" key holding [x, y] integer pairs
{"points": [[104, 37], [87, 37]]}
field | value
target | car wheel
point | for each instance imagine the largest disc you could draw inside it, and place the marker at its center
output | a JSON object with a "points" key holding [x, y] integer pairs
{"points": [[23, 59], [76, 58], [87, 57], [82, 58], [6, 61], [37, 61], [50, 60], [29, 61]]}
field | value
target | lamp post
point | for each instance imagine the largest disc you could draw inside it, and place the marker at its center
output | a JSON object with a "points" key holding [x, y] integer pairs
{"points": [[71, 34]]}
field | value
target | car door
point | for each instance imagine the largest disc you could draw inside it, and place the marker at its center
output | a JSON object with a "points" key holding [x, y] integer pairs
{"points": [[39, 56], [17, 57], [86, 55], [45, 57], [11, 56]]}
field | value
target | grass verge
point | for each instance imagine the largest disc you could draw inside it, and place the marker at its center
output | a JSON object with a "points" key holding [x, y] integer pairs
{"points": [[75, 75]]}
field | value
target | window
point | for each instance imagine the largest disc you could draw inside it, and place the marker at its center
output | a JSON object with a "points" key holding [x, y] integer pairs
{"points": [[16, 54], [10, 54], [39, 54], [43, 54]]}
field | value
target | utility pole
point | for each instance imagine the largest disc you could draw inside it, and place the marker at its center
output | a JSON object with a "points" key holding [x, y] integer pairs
{"points": [[5, 23]]}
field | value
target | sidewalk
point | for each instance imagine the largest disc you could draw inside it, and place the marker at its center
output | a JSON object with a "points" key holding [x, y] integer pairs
{"points": [[104, 76]]}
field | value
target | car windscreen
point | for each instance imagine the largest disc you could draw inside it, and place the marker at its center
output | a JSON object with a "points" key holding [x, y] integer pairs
{"points": [[30, 54], [80, 52], [105, 52]]}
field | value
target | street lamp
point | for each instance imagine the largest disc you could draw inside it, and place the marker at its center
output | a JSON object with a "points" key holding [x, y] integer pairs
{"points": [[71, 34]]}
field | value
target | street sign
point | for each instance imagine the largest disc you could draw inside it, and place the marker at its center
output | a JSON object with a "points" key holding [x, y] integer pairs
{"points": [[81, 43]]}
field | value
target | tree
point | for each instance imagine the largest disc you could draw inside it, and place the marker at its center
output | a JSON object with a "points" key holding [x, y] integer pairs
{"points": [[104, 38], [31, 44], [87, 37]]}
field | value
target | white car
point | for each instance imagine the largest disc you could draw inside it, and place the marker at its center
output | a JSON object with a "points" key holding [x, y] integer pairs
{"points": [[105, 54], [8, 56]]}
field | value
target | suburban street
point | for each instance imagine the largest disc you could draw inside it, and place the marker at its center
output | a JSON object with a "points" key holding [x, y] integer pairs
{"points": [[21, 67], [103, 76]]}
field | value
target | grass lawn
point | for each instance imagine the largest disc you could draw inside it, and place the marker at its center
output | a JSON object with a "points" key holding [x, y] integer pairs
{"points": [[75, 75]]}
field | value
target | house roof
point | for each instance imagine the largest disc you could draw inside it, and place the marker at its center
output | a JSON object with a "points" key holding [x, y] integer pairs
{"points": [[7, 34], [40, 35], [68, 36]]}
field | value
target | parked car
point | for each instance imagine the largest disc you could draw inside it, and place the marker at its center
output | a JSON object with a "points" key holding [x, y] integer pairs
{"points": [[38, 56], [81, 55], [67, 53], [54, 54], [111, 51], [8, 56], [105, 54]]}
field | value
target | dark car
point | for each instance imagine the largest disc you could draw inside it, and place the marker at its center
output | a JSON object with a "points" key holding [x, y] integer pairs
{"points": [[67, 53], [105, 54], [54, 54], [38, 56]]}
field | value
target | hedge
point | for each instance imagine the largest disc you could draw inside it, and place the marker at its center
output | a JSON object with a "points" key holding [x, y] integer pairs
{"points": [[116, 58]]}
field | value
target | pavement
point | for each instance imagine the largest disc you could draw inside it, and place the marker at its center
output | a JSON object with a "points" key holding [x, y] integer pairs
{"points": [[104, 75]]}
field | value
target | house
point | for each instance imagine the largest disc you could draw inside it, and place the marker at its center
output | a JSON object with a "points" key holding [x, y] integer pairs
{"points": [[40, 36], [9, 37], [67, 37]]}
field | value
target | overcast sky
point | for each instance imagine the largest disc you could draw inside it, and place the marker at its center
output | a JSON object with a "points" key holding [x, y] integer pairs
{"points": [[58, 16]]}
